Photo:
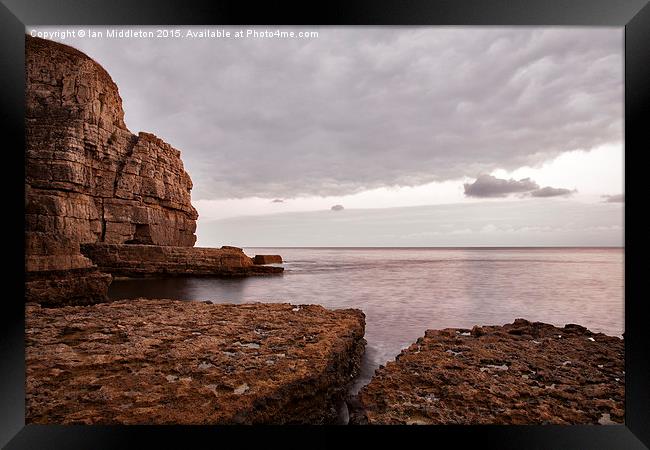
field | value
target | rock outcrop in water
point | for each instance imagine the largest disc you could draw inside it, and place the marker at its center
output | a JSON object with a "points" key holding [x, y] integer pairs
{"points": [[174, 362], [154, 261], [520, 373], [267, 259], [89, 179]]}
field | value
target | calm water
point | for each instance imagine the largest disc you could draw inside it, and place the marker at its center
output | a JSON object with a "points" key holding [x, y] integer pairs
{"points": [[403, 292]]}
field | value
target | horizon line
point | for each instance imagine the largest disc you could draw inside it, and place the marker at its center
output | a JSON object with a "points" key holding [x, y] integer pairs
{"points": [[445, 247]]}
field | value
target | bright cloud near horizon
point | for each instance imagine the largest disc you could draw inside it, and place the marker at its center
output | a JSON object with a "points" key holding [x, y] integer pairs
{"points": [[375, 118]]}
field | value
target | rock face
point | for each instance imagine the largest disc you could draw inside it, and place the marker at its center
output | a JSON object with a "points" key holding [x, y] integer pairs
{"points": [[55, 271], [153, 261], [173, 362], [521, 373], [73, 287], [90, 180], [88, 177], [267, 259]]}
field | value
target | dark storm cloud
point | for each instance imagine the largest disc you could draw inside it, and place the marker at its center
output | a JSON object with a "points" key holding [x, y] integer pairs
{"points": [[618, 198], [367, 107], [489, 186], [549, 191]]}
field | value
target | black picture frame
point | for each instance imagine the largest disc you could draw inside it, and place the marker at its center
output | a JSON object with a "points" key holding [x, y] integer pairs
{"points": [[634, 15]]}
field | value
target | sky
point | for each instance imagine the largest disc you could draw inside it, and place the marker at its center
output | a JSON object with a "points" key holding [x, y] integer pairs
{"points": [[385, 136]]}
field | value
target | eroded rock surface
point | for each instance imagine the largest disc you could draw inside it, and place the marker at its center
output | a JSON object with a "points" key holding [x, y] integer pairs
{"points": [[88, 178], [521, 373], [56, 271], [174, 362], [154, 261]]}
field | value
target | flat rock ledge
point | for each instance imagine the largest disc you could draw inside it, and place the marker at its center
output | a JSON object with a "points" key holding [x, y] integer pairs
{"points": [[519, 373], [175, 362], [142, 261]]}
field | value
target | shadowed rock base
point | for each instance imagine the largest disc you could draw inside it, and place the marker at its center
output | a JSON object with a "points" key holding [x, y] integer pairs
{"points": [[56, 273], [521, 373], [174, 362], [74, 287]]}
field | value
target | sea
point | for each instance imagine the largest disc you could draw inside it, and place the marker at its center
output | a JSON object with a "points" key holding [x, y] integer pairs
{"points": [[405, 291]]}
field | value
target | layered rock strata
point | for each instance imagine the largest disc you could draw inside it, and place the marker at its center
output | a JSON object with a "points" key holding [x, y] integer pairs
{"points": [[55, 270], [174, 362], [520, 373], [155, 261], [88, 177], [89, 180]]}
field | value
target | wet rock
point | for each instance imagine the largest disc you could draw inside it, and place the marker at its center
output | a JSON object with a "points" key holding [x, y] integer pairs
{"points": [[142, 362], [520, 373]]}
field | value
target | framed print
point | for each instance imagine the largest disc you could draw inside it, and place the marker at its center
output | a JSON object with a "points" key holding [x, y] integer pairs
{"points": [[400, 220]]}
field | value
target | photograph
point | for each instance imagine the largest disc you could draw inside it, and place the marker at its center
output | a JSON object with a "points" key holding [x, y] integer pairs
{"points": [[324, 225]]}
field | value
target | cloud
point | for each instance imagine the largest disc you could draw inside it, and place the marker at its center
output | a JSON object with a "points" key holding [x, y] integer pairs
{"points": [[368, 107], [549, 191], [618, 198], [337, 208], [277, 200], [484, 223], [489, 186]]}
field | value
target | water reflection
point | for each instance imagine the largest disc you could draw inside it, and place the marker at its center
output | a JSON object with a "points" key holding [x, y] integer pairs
{"points": [[403, 292]]}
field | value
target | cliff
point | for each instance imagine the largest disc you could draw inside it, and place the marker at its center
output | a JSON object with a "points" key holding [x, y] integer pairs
{"points": [[89, 180], [88, 177]]}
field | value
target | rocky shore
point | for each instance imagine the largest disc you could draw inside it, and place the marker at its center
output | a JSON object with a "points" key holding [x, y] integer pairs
{"points": [[165, 361], [520, 373], [175, 362]]}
